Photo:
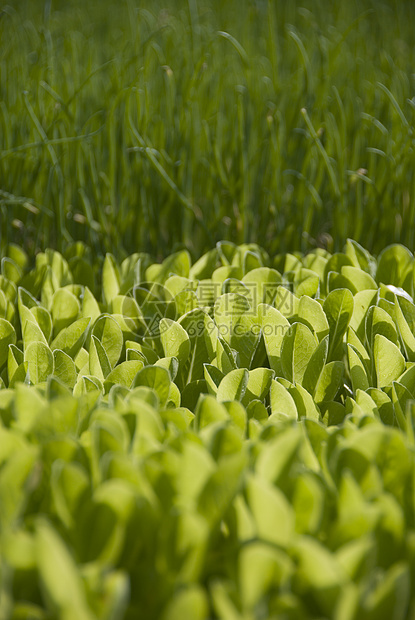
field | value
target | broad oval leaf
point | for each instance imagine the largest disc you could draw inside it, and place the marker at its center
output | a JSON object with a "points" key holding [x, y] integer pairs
{"points": [[156, 378], [71, 339], [64, 368], [40, 362], [297, 347], [109, 333], [338, 307], [7, 336], [233, 385], [174, 339], [389, 361]]}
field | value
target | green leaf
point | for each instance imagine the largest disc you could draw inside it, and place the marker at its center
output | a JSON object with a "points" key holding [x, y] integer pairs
{"points": [[146, 352], [82, 271], [262, 284], [180, 417], [256, 410], [225, 359], [355, 341], [90, 306], [362, 302], [233, 385], [259, 383], [338, 307], [123, 374], [251, 261], [71, 339], [65, 309], [32, 333], [169, 363], [7, 336], [357, 370], [261, 568], [329, 382], [203, 336], [286, 302], [213, 377], [156, 378], [306, 407], [221, 488], [68, 482], [308, 503], [15, 475], [311, 313], [297, 347], [389, 361], [174, 339], [394, 263], [282, 403], [11, 270], [378, 321], [8, 288], [404, 313], [87, 384], [174, 399], [222, 600], [278, 455], [336, 262], [58, 266], [390, 597], [337, 281], [55, 388], [186, 301], [360, 257], [315, 366], [135, 354], [189, 602], [19, 550], [109, 333], [17, 254], [237, 413], [274, 326], [40, 362], [408, 378], [14, 359], [178, 264], [273, 515], [236, 321], [383, 404], [64, 368], [204, 267], [325, 583], [20, 375], [209, 411], [226, 272], [44, 320], [4, 305], [59, 574], [191, 393], [400, 397], [361, 281], [99, 364], [110, 279]]}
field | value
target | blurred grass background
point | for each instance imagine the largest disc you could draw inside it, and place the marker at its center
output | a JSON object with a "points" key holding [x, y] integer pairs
{"points": [[156, 125]]}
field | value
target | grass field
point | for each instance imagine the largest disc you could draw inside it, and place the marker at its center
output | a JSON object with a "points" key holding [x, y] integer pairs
{"points": [[182, 123]]}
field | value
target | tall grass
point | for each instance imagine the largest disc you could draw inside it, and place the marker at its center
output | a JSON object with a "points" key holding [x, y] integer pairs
{"points": [[151, 125]]}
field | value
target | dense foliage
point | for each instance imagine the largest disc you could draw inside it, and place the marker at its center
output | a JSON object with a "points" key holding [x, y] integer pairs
{"points": [[155, 124], [228, 433], [228, 439]]}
